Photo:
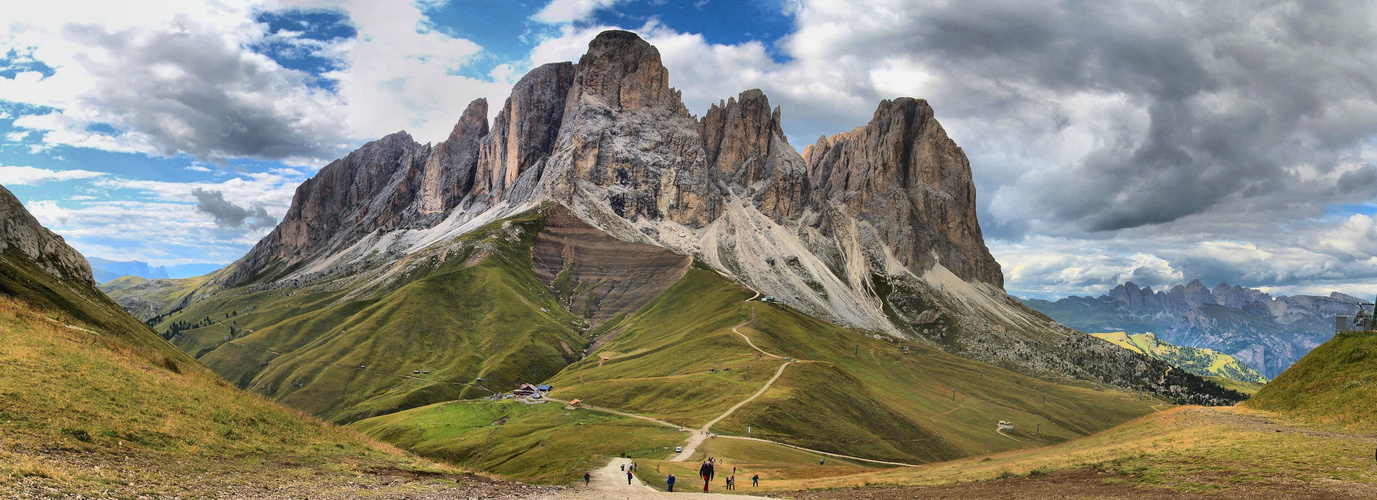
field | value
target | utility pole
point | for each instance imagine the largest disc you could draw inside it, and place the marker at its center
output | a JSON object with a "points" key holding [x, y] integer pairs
{"points": [[1039, 428], [858, 350], [953, 394]]}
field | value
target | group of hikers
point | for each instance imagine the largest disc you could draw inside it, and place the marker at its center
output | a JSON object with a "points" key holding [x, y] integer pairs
{"points": [[708, 471]]}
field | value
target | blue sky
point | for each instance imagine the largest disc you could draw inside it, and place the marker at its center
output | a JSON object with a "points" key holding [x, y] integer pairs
{"points": [[1157, 141]]}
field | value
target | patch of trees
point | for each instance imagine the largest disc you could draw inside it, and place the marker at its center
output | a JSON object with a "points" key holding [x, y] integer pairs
{"points": [[177, 327]]}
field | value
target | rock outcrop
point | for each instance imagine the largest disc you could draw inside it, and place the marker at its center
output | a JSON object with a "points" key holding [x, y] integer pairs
{"points": [[903, 175], [20, 232], [524, 132], [451, 168]]}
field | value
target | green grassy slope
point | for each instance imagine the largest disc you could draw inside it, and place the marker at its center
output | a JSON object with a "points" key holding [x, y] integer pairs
{"points": [[877, 401], [21, 279], [1202, 362], [84, 383], [539, 443], [881, 403], [478, 313], [1335, 383]]}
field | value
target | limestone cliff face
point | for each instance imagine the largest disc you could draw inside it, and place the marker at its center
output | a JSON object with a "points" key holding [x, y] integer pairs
{"points": [[368, 190], [525, 130], [903, 175], [624, 73], [627, 140], [451, 168], [747, 148], [20, 232]]}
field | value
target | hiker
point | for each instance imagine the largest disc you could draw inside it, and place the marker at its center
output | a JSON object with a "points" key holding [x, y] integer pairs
{"points": [[587, 477], [755, 480], [628, 477], [670, 481], [703, 473], [623, 467], [823, 461], [731, 482]]}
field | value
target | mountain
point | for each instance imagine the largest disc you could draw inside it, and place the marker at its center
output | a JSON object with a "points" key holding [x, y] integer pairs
{"points": [[1267, 333], [1203, 362], [105, 270], [93, 403], [409, 274]]}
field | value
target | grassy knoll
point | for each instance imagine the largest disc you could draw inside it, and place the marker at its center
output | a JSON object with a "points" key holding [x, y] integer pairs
{"points": [[477, 312], [1336, 383], [540, 443], [1192, 449], [1203, 362]]}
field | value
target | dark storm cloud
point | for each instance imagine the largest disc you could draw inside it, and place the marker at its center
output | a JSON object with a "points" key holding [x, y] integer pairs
{"points": [[229, 215], [190, 91], [1235, 95]]}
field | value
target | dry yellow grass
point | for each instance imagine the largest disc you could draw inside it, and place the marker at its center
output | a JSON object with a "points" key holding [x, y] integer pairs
{"points": [[81, 410], [1185, 448]]}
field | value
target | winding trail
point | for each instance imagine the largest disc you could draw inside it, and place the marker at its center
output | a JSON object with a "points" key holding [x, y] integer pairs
{"points": [[702, 433], [748, 339], [948, 412]]}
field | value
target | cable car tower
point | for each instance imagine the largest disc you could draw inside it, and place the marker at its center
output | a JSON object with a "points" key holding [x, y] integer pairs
{"points": [[1361, 321]]}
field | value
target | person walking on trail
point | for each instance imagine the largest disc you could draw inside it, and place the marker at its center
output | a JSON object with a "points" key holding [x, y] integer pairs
{"points": [[670, 481], [755, 480], [587, 477], [628, 478], [703, 473]]}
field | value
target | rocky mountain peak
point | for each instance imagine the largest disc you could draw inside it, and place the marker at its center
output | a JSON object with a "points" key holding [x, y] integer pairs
{"points": [[912, 183], [1197, 294], [625, 72], [473, 122], [20, 231]]}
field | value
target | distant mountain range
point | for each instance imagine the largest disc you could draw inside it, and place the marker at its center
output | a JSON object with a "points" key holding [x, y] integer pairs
{"points": [[105, 269], [1265, 332]]}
